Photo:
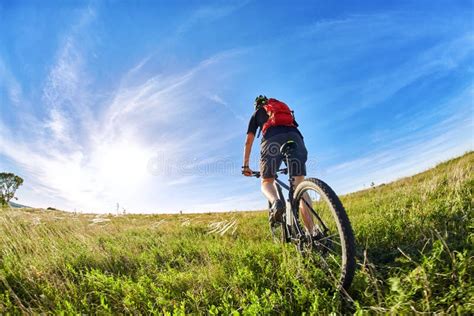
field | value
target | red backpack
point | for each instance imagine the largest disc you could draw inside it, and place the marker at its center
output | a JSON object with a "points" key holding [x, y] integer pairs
{"points": [[279, 114]]}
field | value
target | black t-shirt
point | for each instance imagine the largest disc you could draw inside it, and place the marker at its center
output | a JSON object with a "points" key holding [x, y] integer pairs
{"points": [[259, 118]]}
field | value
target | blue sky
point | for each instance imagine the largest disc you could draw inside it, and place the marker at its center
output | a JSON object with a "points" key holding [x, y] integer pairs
{"points": [[146, 103]]}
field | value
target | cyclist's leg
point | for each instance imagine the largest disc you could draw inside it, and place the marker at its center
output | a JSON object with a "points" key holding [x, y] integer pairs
{"points": [[298, 170], [270, 161], [269, 189], [305, 212]]}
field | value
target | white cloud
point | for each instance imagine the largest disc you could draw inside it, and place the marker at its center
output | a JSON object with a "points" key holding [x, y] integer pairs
{"points": [[207, 14], [217, 99], [14, 91], [92, 163], [414, 152], [443, 57], [370, 42]]}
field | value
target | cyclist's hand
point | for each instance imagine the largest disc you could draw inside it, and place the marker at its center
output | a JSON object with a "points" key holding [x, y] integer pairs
{"points": [[246, 171]]}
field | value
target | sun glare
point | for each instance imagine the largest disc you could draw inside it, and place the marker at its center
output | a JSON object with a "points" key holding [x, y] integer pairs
{"points": [[121, 165]]}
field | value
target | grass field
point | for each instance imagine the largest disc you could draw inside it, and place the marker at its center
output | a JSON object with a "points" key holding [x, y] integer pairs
{"points": [[415, 254]]}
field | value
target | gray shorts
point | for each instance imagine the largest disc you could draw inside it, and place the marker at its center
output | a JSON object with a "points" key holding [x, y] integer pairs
{"points": [[271, 158]]}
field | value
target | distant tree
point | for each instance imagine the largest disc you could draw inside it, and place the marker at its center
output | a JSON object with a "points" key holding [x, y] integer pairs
{"points": [[9, 182]]}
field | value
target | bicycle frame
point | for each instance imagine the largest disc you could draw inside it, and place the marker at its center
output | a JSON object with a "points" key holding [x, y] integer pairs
{"points": [[294, 208], [294, 222], [318, 237]]}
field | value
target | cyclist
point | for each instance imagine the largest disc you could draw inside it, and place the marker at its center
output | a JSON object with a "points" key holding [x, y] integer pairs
{"points": [[277, 124]]}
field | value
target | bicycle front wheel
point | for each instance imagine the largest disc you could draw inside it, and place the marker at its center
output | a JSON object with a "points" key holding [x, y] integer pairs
{"points": [[328, 232]]}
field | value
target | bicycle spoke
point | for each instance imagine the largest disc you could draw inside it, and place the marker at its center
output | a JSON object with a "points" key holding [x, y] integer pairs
{"points": [[310, 207], [335, 260], [328, 237], [335, 242], [328, 269], [328, 248]]}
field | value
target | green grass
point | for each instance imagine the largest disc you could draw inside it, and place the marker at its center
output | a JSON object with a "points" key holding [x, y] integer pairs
{"points": [[415, 254]]}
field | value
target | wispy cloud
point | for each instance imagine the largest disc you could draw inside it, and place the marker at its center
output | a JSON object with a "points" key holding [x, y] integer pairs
{"points": [[443, 57], [364, 43], [414, 152], [164, 135], [91, 162], [217, 99], [210, 13], [14, 91]]}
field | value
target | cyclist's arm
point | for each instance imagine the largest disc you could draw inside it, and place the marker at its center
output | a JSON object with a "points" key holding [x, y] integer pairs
{"points": [[248, 148]]}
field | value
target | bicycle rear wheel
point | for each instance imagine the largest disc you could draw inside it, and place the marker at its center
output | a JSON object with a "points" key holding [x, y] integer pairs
{"points": [[328, 232]]}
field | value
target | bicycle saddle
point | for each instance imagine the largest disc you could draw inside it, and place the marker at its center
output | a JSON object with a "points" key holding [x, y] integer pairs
{"points": [[287, 148]]}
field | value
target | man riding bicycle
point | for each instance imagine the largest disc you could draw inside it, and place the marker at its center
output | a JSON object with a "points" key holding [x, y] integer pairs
{"points": [[278, 126]]}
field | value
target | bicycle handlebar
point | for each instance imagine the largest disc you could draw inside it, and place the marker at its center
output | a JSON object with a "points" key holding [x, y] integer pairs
{"points": [[257, 174]]}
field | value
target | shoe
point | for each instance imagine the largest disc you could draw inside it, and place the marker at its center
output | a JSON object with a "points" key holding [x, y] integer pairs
{"points": [[277, 210]]}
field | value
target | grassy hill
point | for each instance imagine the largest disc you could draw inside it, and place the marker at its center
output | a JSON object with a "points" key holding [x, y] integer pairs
{"points": [[16, 205], [415, 254]]}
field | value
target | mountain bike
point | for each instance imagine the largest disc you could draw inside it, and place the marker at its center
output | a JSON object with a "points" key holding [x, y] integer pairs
{"points": [[316, 222]]}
